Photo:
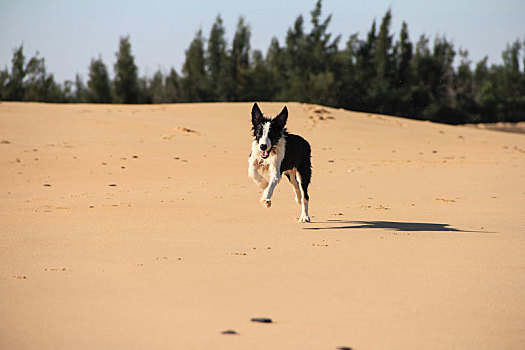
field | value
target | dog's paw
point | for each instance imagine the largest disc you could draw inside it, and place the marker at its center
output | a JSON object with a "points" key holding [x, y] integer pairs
{"points": [[266, 203], [304, 218]]}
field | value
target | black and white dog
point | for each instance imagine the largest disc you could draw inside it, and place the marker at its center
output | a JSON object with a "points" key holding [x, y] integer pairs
{"points": [[276, 152]]}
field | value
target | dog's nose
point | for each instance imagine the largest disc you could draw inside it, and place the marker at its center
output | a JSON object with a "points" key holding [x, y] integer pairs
{"points": [[262, 146]]}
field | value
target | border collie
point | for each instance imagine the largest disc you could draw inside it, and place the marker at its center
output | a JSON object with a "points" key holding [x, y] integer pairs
{"points": [[276, 152]]}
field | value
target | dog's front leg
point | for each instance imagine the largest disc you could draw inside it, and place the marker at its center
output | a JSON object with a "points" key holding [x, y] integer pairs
{"points": [[275, 177], [253, 166]]}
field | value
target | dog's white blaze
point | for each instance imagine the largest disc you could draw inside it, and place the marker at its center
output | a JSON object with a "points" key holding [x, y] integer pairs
{"points": [[265, 138]]}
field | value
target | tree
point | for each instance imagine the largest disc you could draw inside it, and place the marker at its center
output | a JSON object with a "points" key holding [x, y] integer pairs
{"points": [[512, 87], [98, 83], [260, 79], [126, 83], [216, 60], [240, 61], [81, 92], [172, 86], [383, 62], [403, 76], [294, 62], [276, 65], [194, 81], [39, 85], [346, 72], [4, 78], [310, 60], [464, 102], [422, 66], [365, 71], [320, 53], [14, 90]]}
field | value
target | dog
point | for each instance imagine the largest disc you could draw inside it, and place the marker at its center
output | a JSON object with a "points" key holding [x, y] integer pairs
{"points": [[276, 152]]}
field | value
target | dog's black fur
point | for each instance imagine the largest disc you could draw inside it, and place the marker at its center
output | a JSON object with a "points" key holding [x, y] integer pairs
{"points": [[297, 155]]}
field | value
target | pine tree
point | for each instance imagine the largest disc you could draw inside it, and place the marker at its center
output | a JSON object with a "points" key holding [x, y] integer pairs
{"points": [[365, 71], [383, 63], [4, 78], [403, 76], [277, 69], [39, 85], [294, 63], [512, 87], [172, 87], [260, 79], [216, 60], [422, 66], [126, 84], [464, 102], [347, 93], [14, 90], [194, 82], [240, 61], [320, 53], [98, 83], [310, 60], [81, 92]]}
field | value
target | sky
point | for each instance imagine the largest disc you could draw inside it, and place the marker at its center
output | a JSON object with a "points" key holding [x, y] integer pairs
{"points": [[69, 33]]}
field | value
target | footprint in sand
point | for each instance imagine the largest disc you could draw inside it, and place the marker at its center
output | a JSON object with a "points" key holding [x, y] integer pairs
{"points": [[319, 114], [238, 254], [186, 131], [19, 277], [446, 200], [380, 207]]}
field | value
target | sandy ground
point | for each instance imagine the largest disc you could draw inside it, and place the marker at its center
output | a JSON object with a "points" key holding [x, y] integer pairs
{"points": [[137, 227]]}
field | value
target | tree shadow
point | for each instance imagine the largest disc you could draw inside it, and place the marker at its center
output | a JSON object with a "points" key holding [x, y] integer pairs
{"points": [[388, 225]]}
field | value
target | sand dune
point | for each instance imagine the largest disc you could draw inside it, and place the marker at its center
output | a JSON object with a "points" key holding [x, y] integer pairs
{"points": [[137, 227]]}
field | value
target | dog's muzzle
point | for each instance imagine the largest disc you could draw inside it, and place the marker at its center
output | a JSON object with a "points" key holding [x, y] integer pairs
{"points": [[265, 151]]}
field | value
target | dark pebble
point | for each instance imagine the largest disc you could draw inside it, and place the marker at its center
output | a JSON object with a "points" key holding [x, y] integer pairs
{"points": [[229, 331], [344, 348], [112, 185], [261, 320], [48, 185]]}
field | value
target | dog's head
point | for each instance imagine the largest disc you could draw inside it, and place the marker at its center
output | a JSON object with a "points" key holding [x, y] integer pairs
{"points": [[267, 132]]}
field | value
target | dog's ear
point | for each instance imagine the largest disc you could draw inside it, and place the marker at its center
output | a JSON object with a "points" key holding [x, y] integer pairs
{"points": [[256, 115], [280, 120]]}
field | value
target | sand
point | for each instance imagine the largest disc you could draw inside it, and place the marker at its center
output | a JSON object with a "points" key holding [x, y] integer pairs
{"points": [[137, 227]]}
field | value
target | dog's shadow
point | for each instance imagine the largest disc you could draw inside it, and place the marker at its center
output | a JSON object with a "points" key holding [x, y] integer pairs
{"points": [[335, 224]]}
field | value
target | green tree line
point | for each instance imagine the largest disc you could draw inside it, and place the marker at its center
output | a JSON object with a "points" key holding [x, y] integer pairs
{"points": [[382, 72]]}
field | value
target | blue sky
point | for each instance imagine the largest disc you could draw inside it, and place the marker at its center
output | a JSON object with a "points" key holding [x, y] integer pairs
{"points": [[68, 33]]}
